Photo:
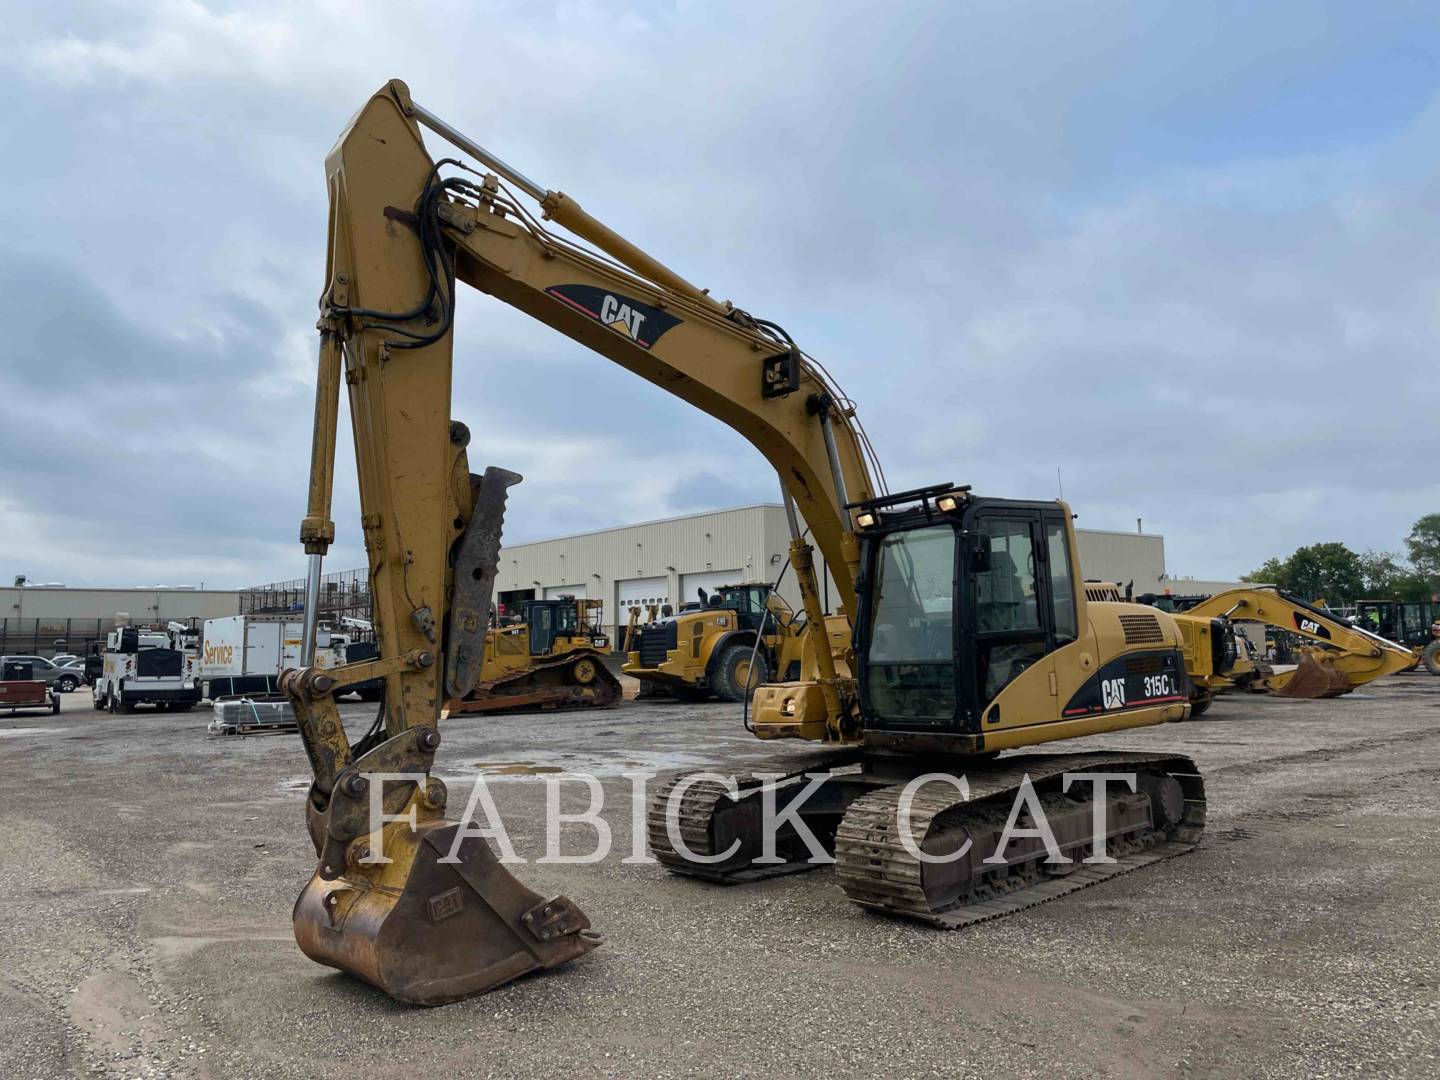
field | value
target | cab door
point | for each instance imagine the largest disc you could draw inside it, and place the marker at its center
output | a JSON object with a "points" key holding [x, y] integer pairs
{"points": [[1014, 619], [542, 628]]}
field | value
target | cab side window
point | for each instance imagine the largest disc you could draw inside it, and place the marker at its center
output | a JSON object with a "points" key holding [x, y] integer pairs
{"points": [[1062, 584], [1005, 594]]}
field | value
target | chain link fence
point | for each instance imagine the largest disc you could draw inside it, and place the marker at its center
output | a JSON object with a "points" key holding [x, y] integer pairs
{"points": [[343, 593]]}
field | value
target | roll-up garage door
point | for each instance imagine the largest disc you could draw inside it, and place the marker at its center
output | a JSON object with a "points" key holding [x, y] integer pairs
{"points": [[710, 580], [639, 592]]}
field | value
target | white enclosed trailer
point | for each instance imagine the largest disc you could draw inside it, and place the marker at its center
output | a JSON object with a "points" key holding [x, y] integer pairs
{"points": [[245, 654]]}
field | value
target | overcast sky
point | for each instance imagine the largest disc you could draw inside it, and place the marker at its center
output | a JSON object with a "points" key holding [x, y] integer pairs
{"points": [[1187, 253]]}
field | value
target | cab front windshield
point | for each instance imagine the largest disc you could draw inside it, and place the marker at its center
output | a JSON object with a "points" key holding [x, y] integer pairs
{"points": [[910, 661]]}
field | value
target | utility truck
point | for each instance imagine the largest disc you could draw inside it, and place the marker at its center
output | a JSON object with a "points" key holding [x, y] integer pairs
{"points": [[143, 666]]}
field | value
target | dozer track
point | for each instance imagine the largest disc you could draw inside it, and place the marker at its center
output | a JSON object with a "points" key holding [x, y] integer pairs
{"points": [[577, 680], [876, 871]]}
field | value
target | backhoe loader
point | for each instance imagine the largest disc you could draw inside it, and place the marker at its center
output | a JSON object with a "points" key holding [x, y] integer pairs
{"points": [[968, 630], [1342, 657], [552, 657]]}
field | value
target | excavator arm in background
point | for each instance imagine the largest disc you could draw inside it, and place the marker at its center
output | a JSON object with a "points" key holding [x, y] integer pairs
{"points": [[1345, 656]]}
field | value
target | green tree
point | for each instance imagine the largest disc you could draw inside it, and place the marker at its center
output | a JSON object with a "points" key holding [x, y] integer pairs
{"points": [[1271, 572], [1423, 544], [1383, 573], [1329, 572]]}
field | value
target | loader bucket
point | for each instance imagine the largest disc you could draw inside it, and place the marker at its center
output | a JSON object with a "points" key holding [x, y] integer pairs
{"points": [[1314, 677], [429, 932]]}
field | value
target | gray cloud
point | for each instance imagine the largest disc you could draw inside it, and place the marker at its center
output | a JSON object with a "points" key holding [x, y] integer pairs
{"points": [[1169, 255]]}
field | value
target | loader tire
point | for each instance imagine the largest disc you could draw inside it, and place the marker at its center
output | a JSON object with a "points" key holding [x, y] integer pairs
{"points": [[733, 678], [1432, 658]]}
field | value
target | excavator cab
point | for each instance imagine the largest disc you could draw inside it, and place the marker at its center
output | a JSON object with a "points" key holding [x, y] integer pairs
{"points": [[970, 624]]}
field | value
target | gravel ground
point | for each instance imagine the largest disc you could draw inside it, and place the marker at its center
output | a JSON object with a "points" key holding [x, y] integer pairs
{"points": [[148, 871]]}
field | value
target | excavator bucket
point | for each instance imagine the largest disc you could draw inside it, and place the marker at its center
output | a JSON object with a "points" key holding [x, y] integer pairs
{"points": [[429, 931], [1314, 677]]}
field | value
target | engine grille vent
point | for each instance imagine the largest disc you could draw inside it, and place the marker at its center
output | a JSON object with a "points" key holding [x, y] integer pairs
{"points": [[1145, 665], [1141, 629], [653, 642]]}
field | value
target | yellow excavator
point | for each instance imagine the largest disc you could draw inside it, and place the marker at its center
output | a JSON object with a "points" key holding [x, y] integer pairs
{"points": [[551, 657], [1341, 658], [969, 631]]}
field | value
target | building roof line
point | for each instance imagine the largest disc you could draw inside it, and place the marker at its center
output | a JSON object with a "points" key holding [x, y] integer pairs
{"points": [[645, 524]]}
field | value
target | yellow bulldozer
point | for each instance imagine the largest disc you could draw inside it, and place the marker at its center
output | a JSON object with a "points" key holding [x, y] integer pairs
{"points": [[552, 656]]}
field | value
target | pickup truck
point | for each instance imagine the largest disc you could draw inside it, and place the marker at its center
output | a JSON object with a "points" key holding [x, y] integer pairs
{"points": [[63, 679]]}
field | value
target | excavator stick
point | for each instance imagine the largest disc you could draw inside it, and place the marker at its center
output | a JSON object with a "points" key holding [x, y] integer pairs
{"points": [[410, 902], [1314, 677]]}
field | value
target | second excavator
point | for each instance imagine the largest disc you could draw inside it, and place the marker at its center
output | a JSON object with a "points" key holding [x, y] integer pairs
{"points": [[966, 630], [1340, 658]]}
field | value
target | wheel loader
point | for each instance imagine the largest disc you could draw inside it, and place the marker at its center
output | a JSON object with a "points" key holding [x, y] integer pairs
{"points": [[964, 630], [551, 657], [730, 643]]}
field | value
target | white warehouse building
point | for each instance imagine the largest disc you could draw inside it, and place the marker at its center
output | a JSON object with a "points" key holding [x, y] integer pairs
{"points": [[667, 561]]}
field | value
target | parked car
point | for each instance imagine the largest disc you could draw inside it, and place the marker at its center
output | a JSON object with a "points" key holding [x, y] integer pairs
{"points": [[64, 659], [63, 679]]}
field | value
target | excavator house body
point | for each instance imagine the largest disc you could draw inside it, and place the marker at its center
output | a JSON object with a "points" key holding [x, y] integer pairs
{"points": [[975, 635]]}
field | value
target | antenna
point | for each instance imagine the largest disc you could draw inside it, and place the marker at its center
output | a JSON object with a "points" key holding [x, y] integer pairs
{"points": [[1059, 483]]}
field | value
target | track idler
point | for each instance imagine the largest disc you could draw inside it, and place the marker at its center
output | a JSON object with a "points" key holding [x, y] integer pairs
{"points": [[440, 919]]}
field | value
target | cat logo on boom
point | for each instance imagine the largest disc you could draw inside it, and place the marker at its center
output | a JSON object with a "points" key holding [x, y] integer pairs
{"points": [[1310, 626], [634, 319], [621, 316]]}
